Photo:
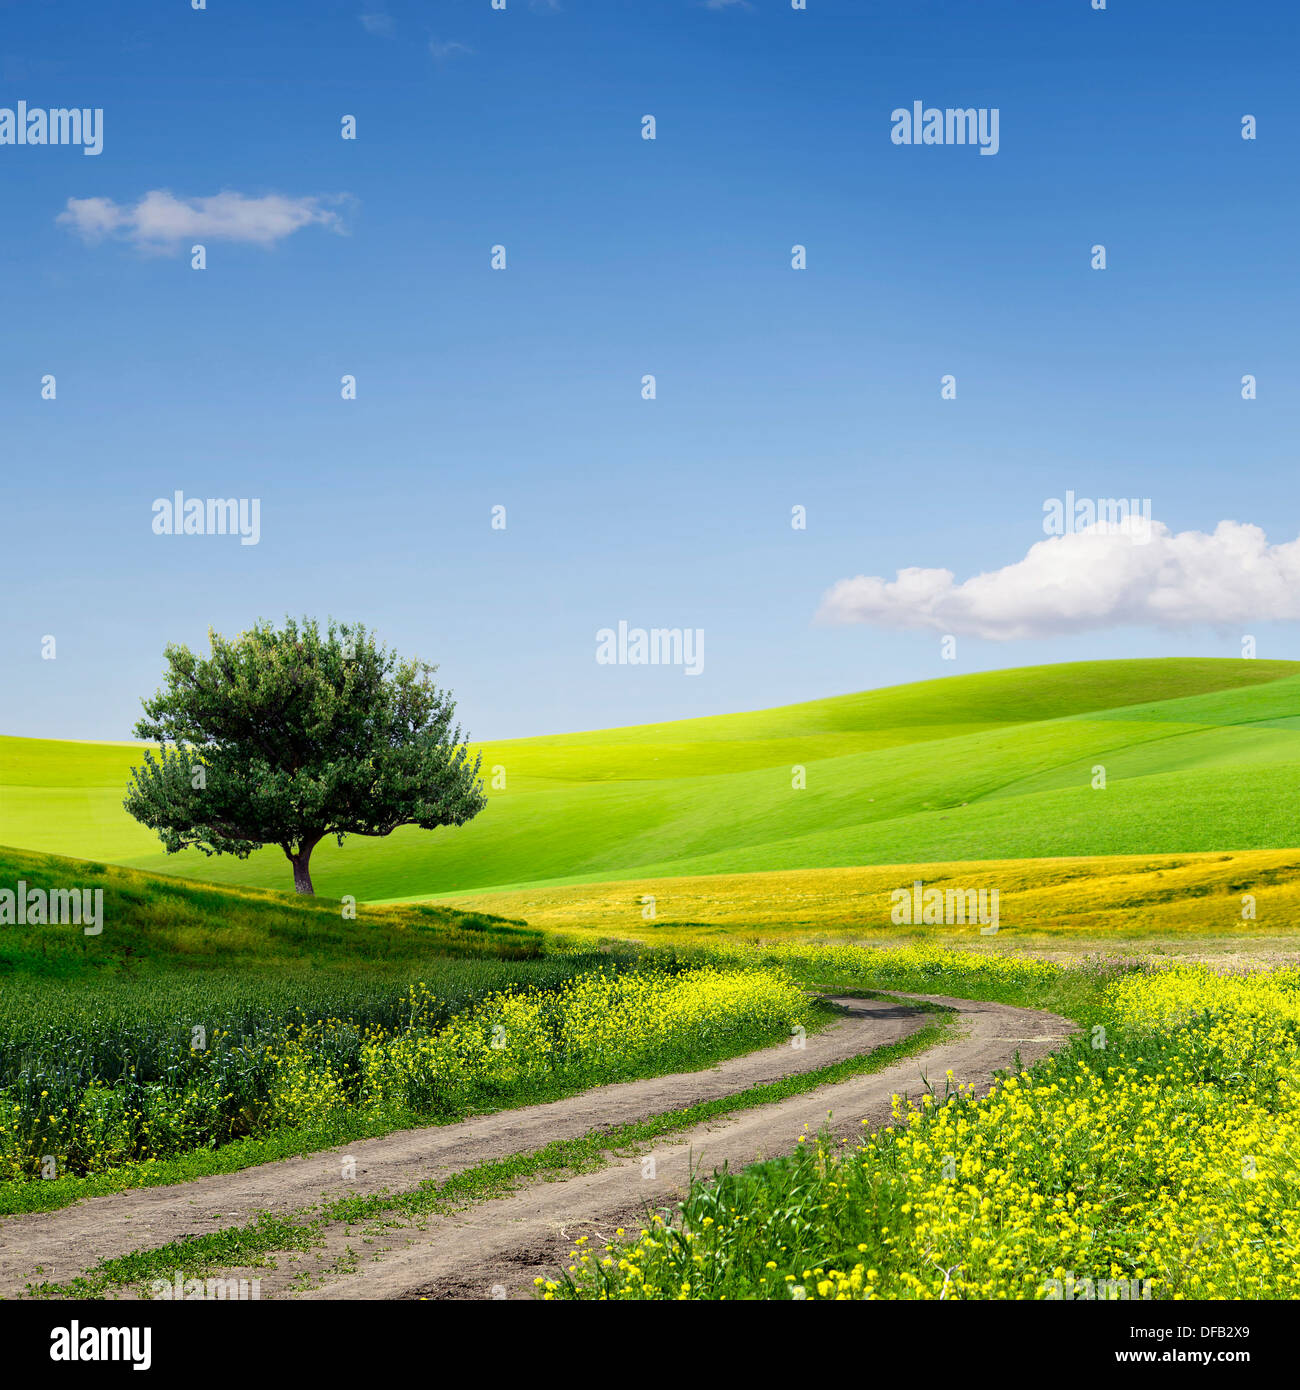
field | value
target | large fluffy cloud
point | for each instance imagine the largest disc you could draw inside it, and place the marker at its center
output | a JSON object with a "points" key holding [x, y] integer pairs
{"points": [[1105, 576], [161, 221]]}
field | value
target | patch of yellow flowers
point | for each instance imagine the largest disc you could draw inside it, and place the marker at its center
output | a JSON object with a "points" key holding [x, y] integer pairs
{"points": [[933, 963], [1159, 1157], [599, 1026]]}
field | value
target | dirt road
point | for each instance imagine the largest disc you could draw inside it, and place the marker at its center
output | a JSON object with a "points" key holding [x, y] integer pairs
{"points": [[494, 1249]]}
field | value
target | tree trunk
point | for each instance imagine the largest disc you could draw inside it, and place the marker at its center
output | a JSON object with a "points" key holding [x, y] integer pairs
{"points": [[301, 872], [300, 859]]}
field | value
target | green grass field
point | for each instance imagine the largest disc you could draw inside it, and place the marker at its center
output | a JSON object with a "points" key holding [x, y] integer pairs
{"points": [[155, 925], [199, 1028], [1200, 754], [319, 1030]]}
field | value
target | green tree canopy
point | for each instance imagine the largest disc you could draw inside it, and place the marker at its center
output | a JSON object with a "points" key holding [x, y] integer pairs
{"points": [[286, 735]]}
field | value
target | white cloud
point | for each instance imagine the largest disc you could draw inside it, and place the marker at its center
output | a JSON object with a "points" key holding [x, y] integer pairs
{"points": [[162, 222], [448, 49], [726, 4], [1101, 577], [378, 23]]}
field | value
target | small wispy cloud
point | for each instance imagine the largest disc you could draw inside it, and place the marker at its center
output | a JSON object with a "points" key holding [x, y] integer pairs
{"points": [[162, 222], [727, 5], [1100, 577], [378, 23], [447, 48]]}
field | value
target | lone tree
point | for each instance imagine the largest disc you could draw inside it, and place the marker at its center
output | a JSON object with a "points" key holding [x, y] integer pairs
{"points": [[284, 736]]}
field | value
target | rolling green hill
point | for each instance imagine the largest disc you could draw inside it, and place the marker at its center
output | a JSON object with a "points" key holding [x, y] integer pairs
{"points": [[153, 926], [1199, 754]]}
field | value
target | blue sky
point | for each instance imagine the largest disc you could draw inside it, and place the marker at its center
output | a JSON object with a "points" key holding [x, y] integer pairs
{"points": [[522, 387]]}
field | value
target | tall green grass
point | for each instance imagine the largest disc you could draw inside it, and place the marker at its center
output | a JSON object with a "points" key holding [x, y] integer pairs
{"points": [[103, 1087], [159, 1032]]}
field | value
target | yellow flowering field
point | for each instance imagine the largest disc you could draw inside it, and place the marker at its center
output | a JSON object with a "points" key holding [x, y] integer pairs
{"points": [[1053, 900], [507, 1046], [1157, 1157], [922, 968], [600, 1027]]}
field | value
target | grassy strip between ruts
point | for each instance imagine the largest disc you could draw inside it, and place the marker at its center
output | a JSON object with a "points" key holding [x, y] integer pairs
{"points": [[254, 1243]]}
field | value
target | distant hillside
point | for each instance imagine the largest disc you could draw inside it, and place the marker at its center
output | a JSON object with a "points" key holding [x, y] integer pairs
{"points": [[1200, 754]]}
